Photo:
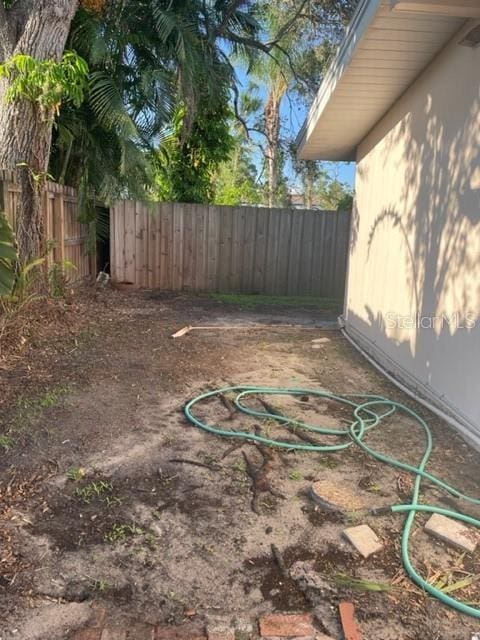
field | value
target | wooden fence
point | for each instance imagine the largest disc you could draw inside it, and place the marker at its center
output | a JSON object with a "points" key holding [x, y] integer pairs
{"points": [[60, 211], [188, 247]]}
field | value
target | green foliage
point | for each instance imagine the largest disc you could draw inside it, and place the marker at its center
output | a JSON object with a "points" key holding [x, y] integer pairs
{"points": [[46, 83], [332, 194], [320, 188], [6, 443], [187, 175], [76, 474], [8, 257], [93, 490], [120, 532], [26, 278], [236, 179], [58, 278], [146, 57], [295, 475]]}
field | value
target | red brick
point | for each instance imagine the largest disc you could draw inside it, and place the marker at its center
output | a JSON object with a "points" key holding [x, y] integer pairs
{"points": [[349, 624], [88, 634], [99, 615], [182, 632], [140, 631], [287, 625]]}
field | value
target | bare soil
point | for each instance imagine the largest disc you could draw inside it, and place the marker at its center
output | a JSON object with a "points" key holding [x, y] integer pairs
{"points": [[108, 496]]}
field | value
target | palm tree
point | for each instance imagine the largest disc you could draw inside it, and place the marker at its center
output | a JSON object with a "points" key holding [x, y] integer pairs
{"points": [[145, 58], [295, 65]]}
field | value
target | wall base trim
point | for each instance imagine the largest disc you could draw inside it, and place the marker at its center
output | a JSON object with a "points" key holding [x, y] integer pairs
{"points": [[410, 385]]}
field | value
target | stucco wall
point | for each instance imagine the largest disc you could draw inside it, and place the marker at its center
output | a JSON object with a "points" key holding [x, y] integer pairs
{"points": [[415, 245]]}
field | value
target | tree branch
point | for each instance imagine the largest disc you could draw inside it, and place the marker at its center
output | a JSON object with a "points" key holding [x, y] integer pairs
{"points": [[284, 29], [226, 18]]}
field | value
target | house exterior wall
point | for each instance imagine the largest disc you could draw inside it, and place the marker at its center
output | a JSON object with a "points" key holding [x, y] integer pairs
{"points": [[413, 289]]}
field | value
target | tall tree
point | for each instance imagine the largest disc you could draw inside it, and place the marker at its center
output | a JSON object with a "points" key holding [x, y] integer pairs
{"points": [[236, 180], [38, 29], [307, 32], [157, 67]]}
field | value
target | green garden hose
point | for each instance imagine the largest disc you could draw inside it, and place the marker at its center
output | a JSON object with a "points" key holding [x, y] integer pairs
{"points": [[367, 413]]}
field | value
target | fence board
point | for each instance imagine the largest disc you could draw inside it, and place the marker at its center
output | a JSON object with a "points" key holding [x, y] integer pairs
{"points": [[185, 247], [213, 247], [60, 217]]}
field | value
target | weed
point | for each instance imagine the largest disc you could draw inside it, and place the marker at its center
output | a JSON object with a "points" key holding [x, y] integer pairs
{"points": [[361, 585], [120, 532], [354, 517], [328, 462], [76, 474], [29, 409], [101, 585], [113, 501], [51, 398], [6, 442], [241, 466], [374, 488], [93, 490], [58, 279], [151, 540], [295, 475]]}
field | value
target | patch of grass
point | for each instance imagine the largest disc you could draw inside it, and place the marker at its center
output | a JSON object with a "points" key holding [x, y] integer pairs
{"points": [[93, 490], [360, 585], [51, 398], [241, 466], [101, 585], [6, 442], [76, 474], [251, 301], [120, 532], [295, 475], [328, 462], [30, 408], [354, 517], [374, 488]]}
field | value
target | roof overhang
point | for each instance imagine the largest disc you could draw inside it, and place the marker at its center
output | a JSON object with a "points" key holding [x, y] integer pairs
{"points": [[387, 45], [455, 8]]}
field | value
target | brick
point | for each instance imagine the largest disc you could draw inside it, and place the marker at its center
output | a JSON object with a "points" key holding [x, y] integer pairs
{"points": [[182, 632], [114, 633], [88, 634], [140, 631], [452, 532], [349, 624], [220, 632], [364, 539], [99, 615], [287, 626]]}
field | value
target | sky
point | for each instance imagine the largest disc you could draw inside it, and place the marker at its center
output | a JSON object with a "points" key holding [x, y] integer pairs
{"points": [[293, 115]]}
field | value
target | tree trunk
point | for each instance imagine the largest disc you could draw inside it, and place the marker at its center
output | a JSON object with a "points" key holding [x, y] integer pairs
{"points": [[272, 130], [39, 29]]}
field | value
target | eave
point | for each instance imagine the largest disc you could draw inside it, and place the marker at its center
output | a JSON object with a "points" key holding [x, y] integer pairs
{"points": [[383, 52]]}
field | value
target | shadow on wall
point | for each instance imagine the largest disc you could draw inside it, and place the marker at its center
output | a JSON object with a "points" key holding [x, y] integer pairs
{"points": [[419, 174]]}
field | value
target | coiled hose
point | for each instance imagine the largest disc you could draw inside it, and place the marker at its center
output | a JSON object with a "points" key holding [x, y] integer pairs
{"points": [[368, 411]]}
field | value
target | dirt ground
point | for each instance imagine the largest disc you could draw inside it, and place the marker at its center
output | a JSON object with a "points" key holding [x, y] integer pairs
{"points": [[109, 496]]}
